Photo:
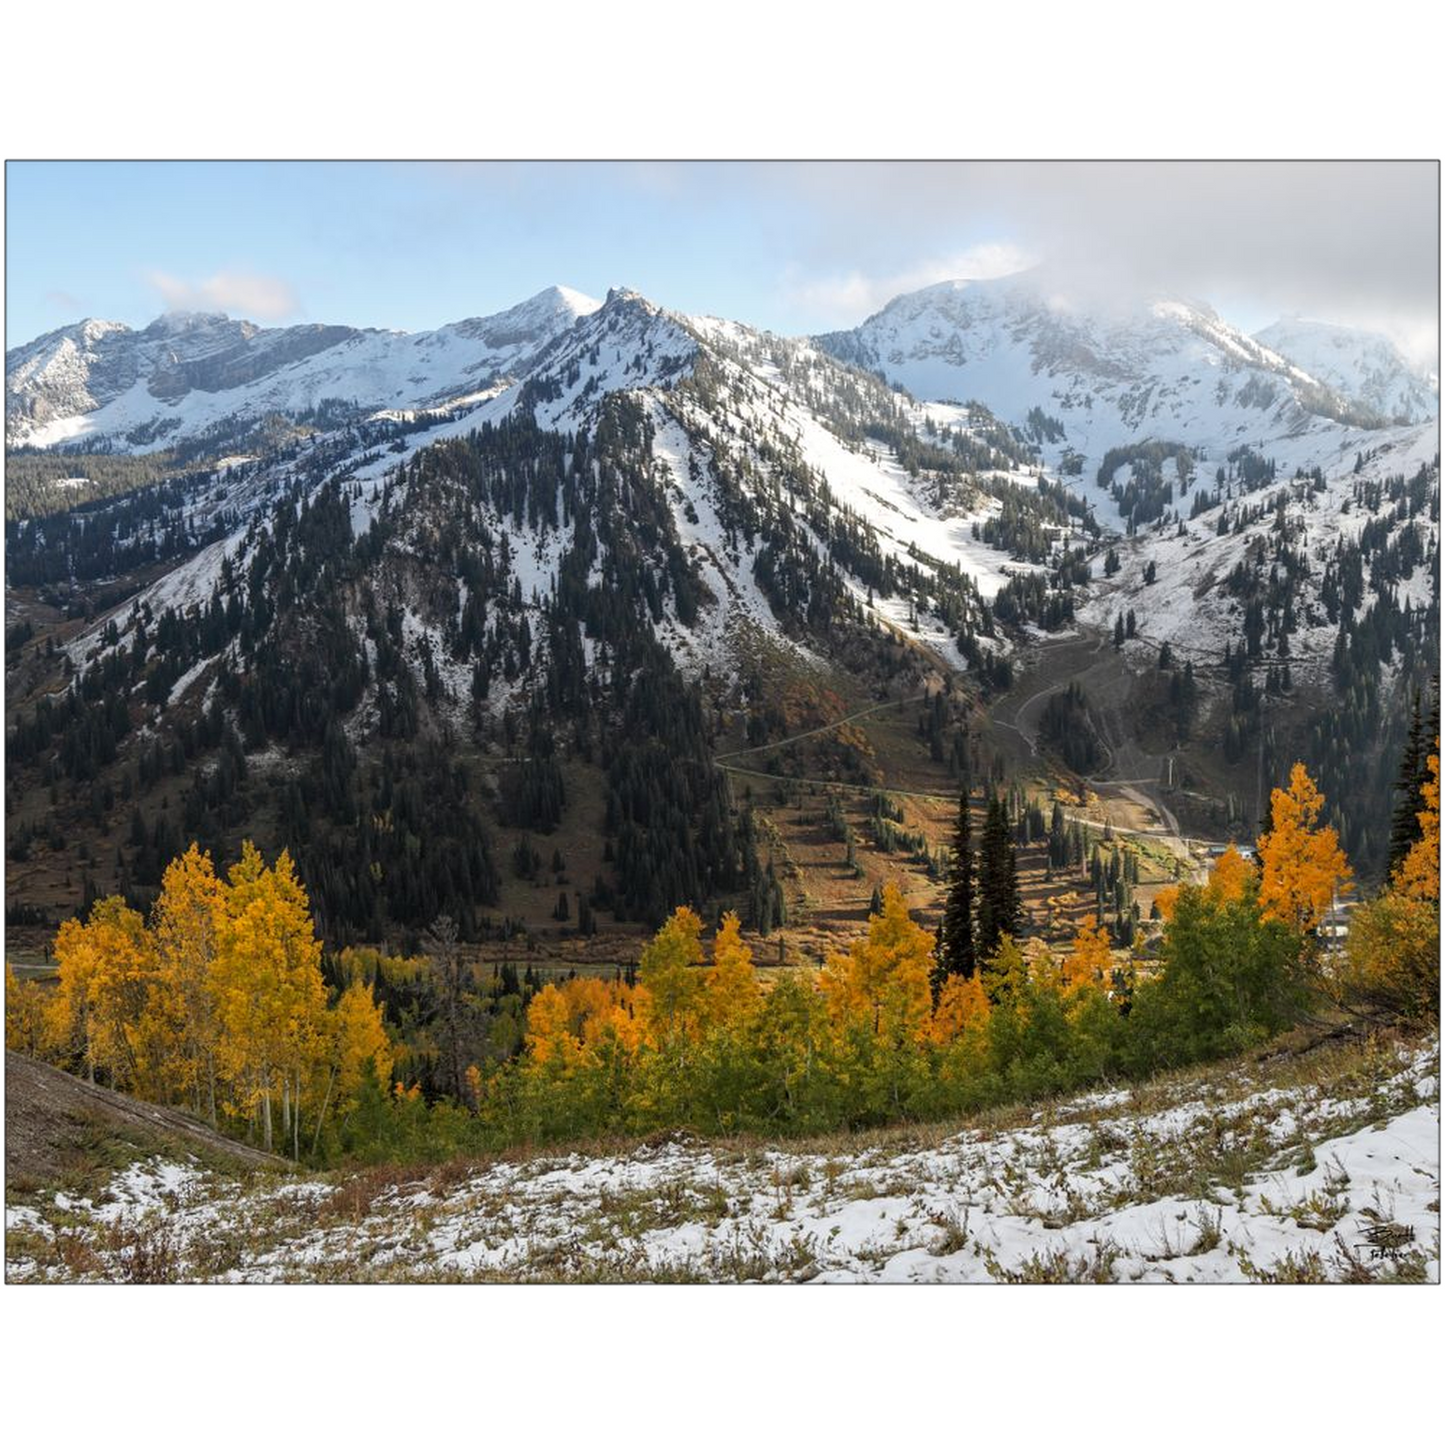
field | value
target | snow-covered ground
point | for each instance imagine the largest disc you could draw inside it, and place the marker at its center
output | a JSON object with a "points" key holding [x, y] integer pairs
{"points": [[1330, 1174]]}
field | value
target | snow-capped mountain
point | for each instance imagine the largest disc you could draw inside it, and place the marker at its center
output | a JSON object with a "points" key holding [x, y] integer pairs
{"points": [[1363, 366], [100, 383], [747, 446], [755, 442], [1088, 378], [575, 512]]}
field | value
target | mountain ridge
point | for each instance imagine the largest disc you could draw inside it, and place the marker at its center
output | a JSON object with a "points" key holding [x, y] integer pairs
{"points": [[1365, 365], [1155, 368], [104, 381]]}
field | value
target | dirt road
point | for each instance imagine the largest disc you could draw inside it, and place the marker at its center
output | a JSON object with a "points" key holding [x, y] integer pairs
{"points": [[1128, 782]]}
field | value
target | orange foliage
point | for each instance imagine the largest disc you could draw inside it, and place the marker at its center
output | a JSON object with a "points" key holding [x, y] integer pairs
{"points": [[1089, 961], [1230, 877], [962, 1004], [565, 1021], [882, 983], [1303, 866]]}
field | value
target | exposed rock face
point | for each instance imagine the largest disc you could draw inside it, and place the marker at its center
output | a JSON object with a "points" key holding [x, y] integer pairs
{"points": [[243, 361]]}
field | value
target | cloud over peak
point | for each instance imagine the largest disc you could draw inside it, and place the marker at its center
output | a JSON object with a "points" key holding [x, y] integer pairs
{"points": [[847, 296], [245, 293]]}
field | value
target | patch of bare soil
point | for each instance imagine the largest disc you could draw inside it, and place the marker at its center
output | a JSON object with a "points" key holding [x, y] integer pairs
{"points": [[55, 1123]]}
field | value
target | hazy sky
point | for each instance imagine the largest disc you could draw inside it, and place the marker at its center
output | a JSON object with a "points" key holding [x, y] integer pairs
{"points": [[793, 247]]}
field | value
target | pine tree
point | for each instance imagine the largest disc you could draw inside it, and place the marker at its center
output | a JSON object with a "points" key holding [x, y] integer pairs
{"points": [[956, 954], [1405, 824], [999, 911]]}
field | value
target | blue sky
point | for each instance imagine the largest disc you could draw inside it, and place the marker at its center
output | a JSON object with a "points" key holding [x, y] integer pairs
{"points": [[791, 247], [412, 245]]}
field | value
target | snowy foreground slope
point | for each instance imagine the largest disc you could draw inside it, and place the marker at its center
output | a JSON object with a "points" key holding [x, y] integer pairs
{"points": [[1324, 1167]]}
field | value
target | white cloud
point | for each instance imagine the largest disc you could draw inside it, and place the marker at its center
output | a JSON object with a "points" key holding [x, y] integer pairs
{"points": [[846, 297], [263, 298], [1355, 242]]}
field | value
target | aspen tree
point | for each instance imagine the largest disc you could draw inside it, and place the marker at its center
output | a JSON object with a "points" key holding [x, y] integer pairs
{"points": [[1303, 868]]}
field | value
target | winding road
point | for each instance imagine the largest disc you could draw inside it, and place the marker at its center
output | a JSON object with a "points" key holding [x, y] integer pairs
{"points": [[1130, 775]]}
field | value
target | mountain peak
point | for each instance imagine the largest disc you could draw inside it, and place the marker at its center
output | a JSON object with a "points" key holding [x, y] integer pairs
{"points": [[565, 298], [177, 323], [552, 303]]}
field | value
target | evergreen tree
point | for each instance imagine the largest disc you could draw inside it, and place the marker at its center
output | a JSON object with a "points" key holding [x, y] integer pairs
{"points": [[956, 954], [1412, 776], [999, 909]]}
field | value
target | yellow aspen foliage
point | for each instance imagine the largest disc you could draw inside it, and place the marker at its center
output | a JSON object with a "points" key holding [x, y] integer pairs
{"points": [[1392, 956], [731, 996], [549, 1027], [667, 970], [1418, 876], [962, 1005], [106, 968], [358, 1037], [270, 997], [882, 983], [29, 1017], [1089, 961], [371, 965], [580, 1000], [623, 1021], [1230, 877], [569, 1022], [185, 924], [1302, 865], [75, 958]]}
